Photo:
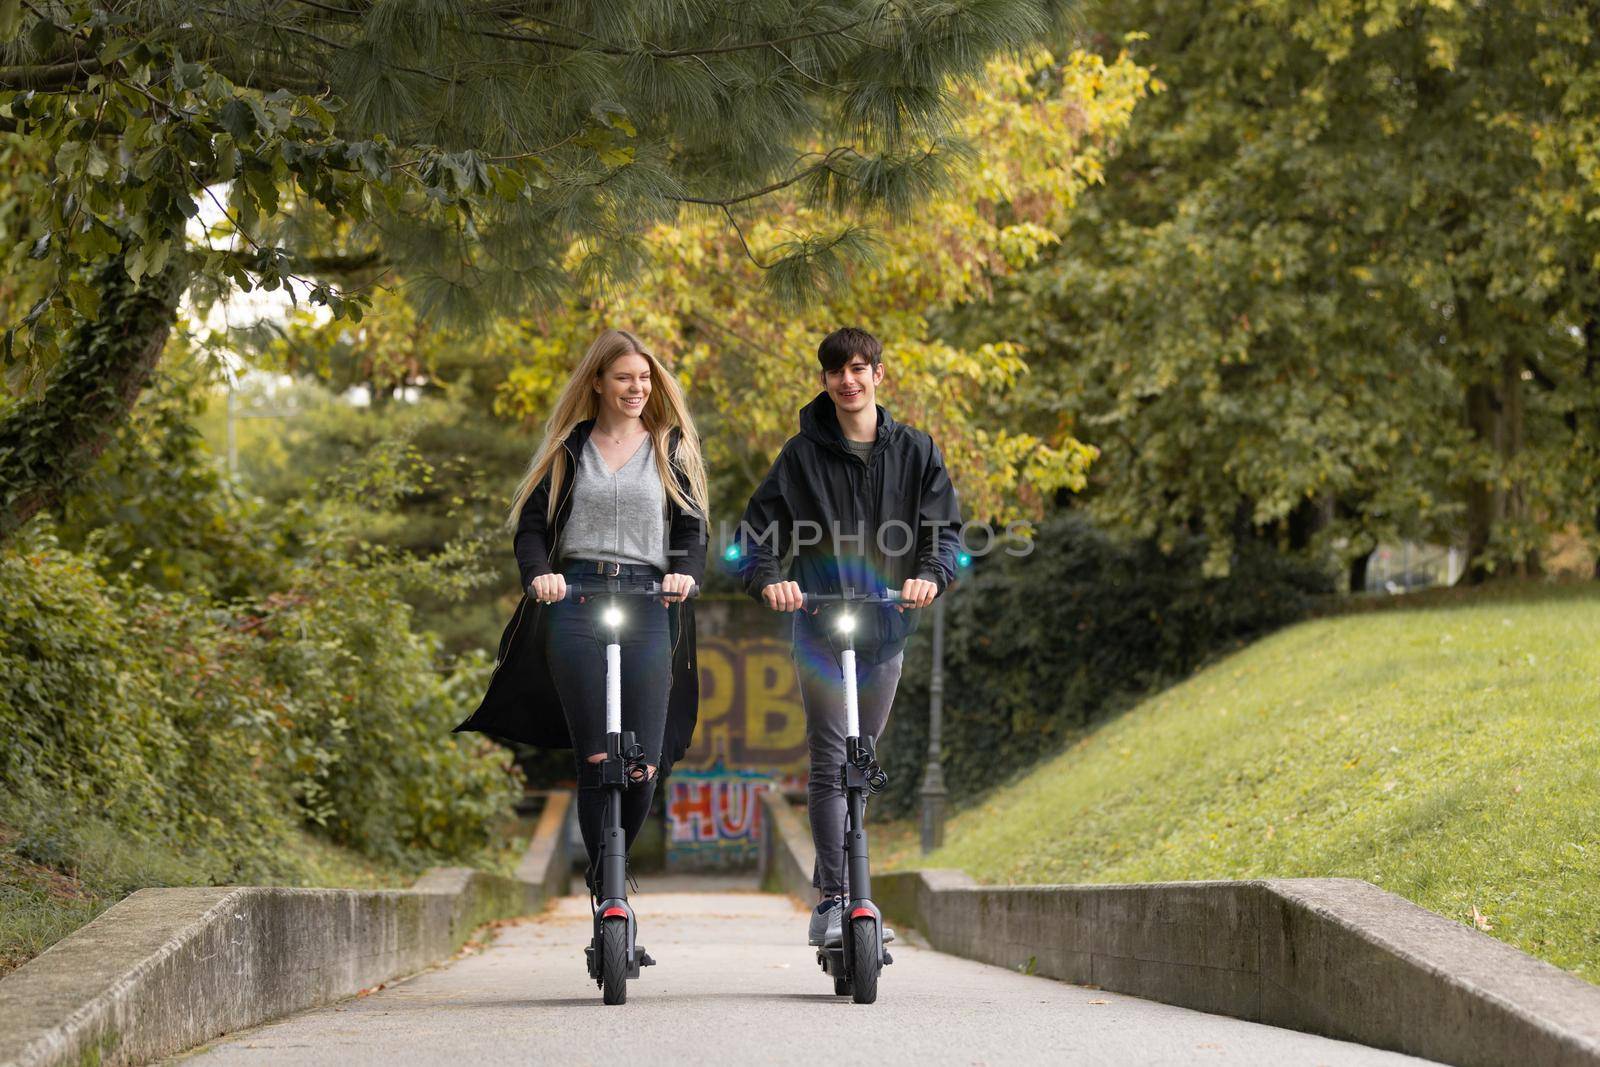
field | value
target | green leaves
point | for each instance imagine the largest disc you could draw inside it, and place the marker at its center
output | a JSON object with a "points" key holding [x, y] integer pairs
{"points": [[42, 36], [1271, 315], [10, 19], [238, 118]]}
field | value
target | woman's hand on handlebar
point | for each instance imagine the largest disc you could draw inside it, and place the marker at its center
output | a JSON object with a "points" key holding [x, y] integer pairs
{"points": [[676, 586], [783, 596], [916, 593], [548, 588]]}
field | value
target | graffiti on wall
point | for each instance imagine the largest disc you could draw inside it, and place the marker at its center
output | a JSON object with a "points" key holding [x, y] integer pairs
{"points": [[750, 713], [751, 736], [714, 817]]}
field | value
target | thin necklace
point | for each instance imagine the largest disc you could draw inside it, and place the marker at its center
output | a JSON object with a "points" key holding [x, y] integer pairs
{"points": [[613, 436]]}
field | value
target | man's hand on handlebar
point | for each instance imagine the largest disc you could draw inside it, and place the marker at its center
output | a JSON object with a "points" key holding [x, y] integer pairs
{"points": [[548, 588], [676, 586], [783, 596], [916, 593]]}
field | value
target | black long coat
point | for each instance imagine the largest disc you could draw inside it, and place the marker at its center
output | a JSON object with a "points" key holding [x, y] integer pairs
{"points": [[521, 703]]}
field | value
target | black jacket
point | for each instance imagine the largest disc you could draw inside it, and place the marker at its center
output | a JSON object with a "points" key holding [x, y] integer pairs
{"points": [[521, 702], [877, 522]]}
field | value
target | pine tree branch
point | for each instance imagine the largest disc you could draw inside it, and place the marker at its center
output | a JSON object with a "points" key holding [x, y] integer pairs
{"points": [[74, 75], [343, 263], [48, 77], [334, 46], [653, 52], [756, 194], [330, 9], [748, 253]]}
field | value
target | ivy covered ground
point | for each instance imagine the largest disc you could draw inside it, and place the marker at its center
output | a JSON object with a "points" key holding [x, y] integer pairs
{"points": [[1446, 749]]}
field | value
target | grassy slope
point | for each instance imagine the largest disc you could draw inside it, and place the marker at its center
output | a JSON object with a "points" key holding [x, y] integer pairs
{"points": [[1450, 754]]}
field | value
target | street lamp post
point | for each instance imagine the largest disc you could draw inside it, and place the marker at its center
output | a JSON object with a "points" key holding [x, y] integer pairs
{"points": [[933, 789]]}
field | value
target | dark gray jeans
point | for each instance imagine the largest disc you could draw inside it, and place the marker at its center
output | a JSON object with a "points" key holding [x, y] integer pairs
{"points": [[822, 695]]}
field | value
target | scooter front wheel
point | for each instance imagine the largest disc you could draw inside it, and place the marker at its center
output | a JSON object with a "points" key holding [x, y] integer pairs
{"points": [[614, 960], [864, 963]]}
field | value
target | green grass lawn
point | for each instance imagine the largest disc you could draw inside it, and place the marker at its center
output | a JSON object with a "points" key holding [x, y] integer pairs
{"points": [[1447, 750]]}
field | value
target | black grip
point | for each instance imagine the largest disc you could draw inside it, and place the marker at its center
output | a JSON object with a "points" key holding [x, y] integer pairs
{"points": [[592, 588], [850, 596]]}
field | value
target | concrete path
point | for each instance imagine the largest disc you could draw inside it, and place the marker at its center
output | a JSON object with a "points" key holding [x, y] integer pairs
{"points": [[735, 984]]}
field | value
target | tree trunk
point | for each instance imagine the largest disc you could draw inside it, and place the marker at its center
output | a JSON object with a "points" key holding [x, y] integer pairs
{"points": [[1494, 414], [1485, 501], [1307, 519], [1516, 498], [1358, 573], [45, 445], [1591, 359]]}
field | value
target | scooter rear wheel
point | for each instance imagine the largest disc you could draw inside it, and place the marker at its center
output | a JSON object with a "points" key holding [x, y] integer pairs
{"points": [[864, 963], [614, 960], [841, 986]]}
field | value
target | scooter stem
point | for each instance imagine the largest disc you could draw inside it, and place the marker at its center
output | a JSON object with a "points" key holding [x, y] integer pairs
{"points": [[852, 710], [613, 688]]}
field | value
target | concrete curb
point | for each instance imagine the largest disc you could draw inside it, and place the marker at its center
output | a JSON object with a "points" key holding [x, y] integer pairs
{"points": [[787, 857], [1332, 956], [167, 969]]}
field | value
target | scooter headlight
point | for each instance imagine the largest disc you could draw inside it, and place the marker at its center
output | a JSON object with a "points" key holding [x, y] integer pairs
{"points": [[613, 617], [847, 623]]}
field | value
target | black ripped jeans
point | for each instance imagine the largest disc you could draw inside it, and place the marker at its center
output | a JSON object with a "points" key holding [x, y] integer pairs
{"points": [[575, 649]]}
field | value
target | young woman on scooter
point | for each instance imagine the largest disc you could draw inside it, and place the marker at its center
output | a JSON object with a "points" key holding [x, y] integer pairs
{"points": [[616, 490]]}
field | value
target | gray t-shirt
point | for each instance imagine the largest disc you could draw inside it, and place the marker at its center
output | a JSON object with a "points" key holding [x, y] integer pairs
{"points": [[860, 448], [617, 517]]}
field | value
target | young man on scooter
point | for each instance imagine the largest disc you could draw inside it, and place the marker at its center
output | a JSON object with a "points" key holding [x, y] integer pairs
{"points": [[863, 502]]}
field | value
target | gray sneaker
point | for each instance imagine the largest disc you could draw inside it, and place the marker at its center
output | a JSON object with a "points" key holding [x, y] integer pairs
{"points": [[827, 922]]}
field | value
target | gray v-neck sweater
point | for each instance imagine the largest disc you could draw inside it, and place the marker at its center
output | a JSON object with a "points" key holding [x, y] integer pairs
{"points": [[620, 517]]}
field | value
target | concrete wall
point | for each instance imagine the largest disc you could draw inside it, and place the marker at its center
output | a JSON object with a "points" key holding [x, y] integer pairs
{"points": [[167, 969], [787, 856], [1332, 956]]}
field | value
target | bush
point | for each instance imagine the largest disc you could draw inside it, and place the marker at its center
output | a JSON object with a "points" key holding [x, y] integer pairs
{"points": [[369, 712], [213, 731], [191, 678], [131, 705], [1039, 647]]}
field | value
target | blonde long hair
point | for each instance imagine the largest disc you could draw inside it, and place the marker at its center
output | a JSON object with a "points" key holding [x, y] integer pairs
{"points": [[664, 409]]}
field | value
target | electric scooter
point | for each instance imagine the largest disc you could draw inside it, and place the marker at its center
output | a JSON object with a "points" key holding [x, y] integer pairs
{"points": [[615, 955], [859, 957]]}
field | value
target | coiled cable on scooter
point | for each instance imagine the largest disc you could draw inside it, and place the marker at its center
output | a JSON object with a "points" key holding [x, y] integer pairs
{"points": [[877, 778], [634, 766]]}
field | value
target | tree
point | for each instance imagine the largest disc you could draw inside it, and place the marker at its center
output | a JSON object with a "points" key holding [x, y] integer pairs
{"points": [[1340, 284], [461, 145], [1039, 128]]}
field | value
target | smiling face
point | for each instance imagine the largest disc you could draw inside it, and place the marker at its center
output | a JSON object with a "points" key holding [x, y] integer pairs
{"points": [[854, 386], [624, 386]]}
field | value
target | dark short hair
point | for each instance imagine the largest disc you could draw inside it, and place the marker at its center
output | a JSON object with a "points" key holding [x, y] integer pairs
{"points": [[841, 346]]}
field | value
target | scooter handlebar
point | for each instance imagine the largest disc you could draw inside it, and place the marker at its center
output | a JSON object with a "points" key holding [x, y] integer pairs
{"points": [[591, 587], [850, 596]]}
